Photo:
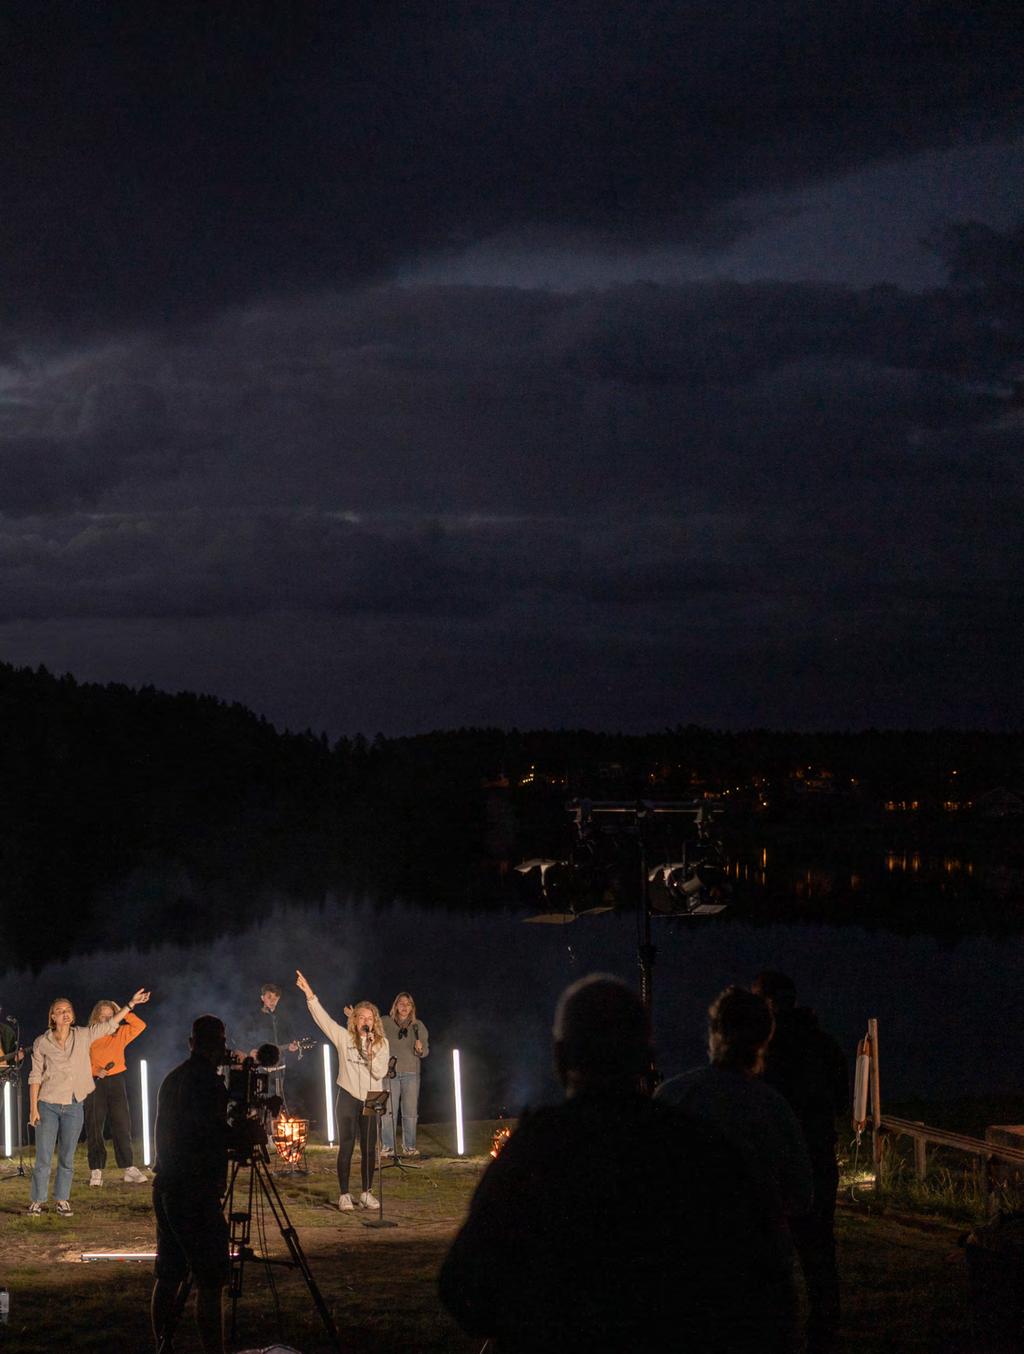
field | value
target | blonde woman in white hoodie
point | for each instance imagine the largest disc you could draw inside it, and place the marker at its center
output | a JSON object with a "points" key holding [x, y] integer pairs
{"points": [[363, 1054]]}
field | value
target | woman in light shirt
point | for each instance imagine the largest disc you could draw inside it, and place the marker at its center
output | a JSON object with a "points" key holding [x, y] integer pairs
{"points": [[363, 1054], [60, 1080]]}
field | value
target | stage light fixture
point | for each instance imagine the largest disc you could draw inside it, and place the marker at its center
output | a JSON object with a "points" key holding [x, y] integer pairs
{"points": [[460, 1137], [328, 1096], [144, 1080]]}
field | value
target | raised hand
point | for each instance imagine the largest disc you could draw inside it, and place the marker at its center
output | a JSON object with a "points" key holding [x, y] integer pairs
{"points": [[302, 984], [140, 998]]}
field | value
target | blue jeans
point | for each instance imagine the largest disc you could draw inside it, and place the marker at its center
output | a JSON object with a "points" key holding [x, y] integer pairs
{"points": [[405, 1096], [59, 1126]]}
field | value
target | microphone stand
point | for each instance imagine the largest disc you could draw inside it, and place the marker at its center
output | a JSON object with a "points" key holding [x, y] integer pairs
{"points": [[396, 1160], [375, 1107]]}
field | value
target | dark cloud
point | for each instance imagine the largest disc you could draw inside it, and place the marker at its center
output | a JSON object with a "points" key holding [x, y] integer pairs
{"points": [[165, 160]]}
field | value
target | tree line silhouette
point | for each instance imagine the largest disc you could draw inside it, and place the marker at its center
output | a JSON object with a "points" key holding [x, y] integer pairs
{"points": [[133, 814]]}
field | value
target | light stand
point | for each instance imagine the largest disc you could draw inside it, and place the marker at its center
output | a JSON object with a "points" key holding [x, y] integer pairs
{"points": [[632, 818], [10, 1075], [375, 1107]]}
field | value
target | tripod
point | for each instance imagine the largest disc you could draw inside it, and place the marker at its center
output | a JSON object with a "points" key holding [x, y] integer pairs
{"points": [[240, 1203]]}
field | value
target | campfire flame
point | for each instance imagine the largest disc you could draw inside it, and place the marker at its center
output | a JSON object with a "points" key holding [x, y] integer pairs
{"points": [[501, 1137], [290, 1136]]}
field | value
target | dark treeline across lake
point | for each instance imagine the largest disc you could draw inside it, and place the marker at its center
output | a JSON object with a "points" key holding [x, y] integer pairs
{"points": [[136, 816]]}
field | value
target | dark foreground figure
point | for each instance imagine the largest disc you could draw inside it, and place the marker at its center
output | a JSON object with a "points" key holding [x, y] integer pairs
{"points": [[610, 1222], [190, 1175], [807, 1066]]}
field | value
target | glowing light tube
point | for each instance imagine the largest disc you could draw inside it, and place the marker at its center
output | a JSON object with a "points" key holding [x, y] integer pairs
{"points": [[92, 1256], [144, 1079], [328, 1096], [8, 1122], [460, 1137]]}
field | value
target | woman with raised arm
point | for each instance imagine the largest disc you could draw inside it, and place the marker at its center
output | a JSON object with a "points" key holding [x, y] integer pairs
{"points": [[363, 1054], [110, 1098], [60, 1079]]}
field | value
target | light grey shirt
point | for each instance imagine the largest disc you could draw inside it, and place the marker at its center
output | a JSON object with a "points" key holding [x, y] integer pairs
{"points": [[407, 1060], [355, 1074], [64, 1075]]}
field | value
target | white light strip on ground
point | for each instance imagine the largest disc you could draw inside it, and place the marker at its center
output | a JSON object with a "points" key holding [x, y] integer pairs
{"points": [[88, 1256], [460, 1140], [144, 1075], [8, 1122], [328, 1095]]}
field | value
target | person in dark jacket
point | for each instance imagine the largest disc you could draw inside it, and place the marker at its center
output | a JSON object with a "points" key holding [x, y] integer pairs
{"points": [[535, 1266], [807, 1066], [190, 1178]]}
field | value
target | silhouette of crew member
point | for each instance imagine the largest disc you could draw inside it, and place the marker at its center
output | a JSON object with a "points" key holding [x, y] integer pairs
{"points": [[534, 1266], [807, 1066], [190, 1177]]}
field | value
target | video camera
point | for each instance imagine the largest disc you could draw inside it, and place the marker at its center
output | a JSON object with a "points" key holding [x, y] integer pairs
{"points": [[250, 1106]]}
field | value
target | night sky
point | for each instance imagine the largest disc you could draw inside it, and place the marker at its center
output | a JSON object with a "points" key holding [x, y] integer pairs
{"points": [[400, 366]]}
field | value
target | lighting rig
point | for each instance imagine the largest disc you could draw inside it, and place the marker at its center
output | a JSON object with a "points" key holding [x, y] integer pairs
{"points": [[609, 866]]}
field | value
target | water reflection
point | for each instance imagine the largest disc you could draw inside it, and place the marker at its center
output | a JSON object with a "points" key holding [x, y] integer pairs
{"points": [[487, 984]]}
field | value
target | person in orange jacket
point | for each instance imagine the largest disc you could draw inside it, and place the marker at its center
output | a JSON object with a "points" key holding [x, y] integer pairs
{"points": [[110, 1098]]}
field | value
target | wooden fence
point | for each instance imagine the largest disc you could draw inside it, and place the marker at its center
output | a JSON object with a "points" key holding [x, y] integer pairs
{"points": [[888, 1127]]}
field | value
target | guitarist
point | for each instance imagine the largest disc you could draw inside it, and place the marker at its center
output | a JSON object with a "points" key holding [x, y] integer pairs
{"points": [[271, 1025]]}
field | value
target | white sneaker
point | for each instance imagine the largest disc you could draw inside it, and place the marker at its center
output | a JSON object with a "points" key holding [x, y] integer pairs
{"points": [[366, 1200], [345, 1203], [35, 1209], [133, 1176], [386, 1152], [95, 1178], [63, 1208]]}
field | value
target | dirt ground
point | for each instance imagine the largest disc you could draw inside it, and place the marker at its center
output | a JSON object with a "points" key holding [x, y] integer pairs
{"points": [[904, 1276]]}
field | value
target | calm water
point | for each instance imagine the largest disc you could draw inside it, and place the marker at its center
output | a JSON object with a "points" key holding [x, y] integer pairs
{"points": [[486, 983]]}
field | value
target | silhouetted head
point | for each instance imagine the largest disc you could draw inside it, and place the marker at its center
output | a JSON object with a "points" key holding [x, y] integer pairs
{"points": [[207, 1038], [602, 1035], [740, 1027], [778, 990]]}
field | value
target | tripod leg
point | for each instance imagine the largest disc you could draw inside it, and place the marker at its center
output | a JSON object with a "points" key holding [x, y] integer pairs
{"points": [[291, 1240], [172, 1317]]}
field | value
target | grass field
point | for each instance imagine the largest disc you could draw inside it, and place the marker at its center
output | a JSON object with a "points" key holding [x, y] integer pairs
{"points": [[904, 1274]]}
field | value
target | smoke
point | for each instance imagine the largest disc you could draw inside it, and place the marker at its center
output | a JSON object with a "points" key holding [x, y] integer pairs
{"points": [[487, 985]]}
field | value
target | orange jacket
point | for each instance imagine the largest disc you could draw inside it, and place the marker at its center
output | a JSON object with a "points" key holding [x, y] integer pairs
{"points": [[110, 1048]]}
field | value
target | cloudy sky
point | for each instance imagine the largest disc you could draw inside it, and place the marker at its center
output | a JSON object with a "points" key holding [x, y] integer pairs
{"points": [[399, 366]]}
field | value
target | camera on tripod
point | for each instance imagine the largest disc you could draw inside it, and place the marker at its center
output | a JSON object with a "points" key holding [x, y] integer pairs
{"points": [[251, 1107]]}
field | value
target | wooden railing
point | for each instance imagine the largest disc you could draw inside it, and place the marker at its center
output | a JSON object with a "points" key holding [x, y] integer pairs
{"points": [[888, 1126]]}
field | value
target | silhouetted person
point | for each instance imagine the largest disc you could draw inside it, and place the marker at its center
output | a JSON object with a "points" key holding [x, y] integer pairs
{"points": [[609, 1222], [730, 1095], [190, 1177], [809, 1068]]}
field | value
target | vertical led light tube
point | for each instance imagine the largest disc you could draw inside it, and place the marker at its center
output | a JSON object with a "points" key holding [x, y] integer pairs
{"points": [[8, 1122], [460, 1137], [328, 1096], [144, 1080]]}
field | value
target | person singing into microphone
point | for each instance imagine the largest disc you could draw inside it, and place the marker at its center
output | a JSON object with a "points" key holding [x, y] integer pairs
{"points": [[407, 1035], [363, 1054]]}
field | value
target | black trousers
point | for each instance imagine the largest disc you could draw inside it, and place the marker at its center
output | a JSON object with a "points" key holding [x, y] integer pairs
{"points": [[109, 1100], [815, 1240], [353, 1124]]}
